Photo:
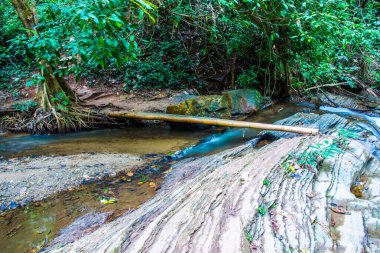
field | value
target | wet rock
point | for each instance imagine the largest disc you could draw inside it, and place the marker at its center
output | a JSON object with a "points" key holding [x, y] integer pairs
{"points": [[178, 98], [81, 226], [234, 102], [203, 106], [244, 101]]}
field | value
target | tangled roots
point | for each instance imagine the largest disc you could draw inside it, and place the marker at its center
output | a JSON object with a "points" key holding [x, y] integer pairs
{"points": [[52, 121]]}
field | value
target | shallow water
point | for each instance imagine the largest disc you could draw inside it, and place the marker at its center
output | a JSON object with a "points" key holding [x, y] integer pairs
{"points": [[29, 228], [372, 123], [140, 140], [26, 228], [133, 140]]}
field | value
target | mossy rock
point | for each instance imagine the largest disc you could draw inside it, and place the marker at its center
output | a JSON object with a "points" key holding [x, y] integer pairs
{"points": [[234, 102], [244, 101], [204, 106]]}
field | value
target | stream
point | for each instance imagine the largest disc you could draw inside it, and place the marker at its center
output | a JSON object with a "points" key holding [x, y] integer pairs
{"points": [[34, 226]]}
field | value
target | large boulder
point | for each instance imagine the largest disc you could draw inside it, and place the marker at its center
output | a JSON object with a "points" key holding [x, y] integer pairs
{"points": [[234, 102], [203, 106], [244, 101], [178, 98]]}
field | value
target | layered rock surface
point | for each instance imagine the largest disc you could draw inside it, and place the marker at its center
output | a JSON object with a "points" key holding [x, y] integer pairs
{"points": [[220, 203]]}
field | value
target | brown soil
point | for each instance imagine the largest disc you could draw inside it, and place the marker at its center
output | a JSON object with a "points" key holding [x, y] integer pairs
{"points": [[103, 98]]}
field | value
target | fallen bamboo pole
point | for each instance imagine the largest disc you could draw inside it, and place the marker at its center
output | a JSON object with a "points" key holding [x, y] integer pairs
{"points": [[212, 121]]}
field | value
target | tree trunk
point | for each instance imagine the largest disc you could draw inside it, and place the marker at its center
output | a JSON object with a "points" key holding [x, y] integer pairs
{"points": [[52, 84]]}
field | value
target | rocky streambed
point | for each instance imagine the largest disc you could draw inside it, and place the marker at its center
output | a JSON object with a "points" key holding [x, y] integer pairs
{"points": [[25, 180], [277, 192]]}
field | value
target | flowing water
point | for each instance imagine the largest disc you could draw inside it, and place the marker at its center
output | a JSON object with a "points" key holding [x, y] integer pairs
{"points": [[28, 228], [367, 122]]}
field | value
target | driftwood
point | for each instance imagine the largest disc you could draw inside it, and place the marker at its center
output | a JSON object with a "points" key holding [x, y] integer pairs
{"points": [[220, 203], [212, 121], [327, 85], [362, 85]]}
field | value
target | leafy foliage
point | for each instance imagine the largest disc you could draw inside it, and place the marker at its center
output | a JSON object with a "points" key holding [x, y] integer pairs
{"points": [[266, 182], [25, 106], [62, 101], [156, 74], [262, 210], [12, 78], [224, 44], [314, 154], [72, 32], [324, 150], [291, 42]]}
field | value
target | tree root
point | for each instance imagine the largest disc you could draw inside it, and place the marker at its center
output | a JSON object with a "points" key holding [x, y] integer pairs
{"points": [[53, 121]]}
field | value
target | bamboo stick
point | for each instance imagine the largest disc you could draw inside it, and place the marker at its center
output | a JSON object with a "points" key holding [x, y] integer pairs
{"points": [[212, 121]]}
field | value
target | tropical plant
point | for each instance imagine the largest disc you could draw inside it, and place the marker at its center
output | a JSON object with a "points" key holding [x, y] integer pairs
{"points": [[70, 32]]}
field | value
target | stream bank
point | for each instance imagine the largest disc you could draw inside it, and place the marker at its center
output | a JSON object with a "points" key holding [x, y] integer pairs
{"points": [[27, 180]]}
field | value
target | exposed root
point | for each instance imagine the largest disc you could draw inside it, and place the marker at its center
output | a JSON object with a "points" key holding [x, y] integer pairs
{"points": [[53, 121]]}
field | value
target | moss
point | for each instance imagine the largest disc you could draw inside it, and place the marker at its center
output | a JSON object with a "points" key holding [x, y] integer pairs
{"points": [[220, 106], [244, 101], [203, 106]]}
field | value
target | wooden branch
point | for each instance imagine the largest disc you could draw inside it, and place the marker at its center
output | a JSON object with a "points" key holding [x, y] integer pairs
{"points": [[362, 84], [327, 85], [212, 121]]}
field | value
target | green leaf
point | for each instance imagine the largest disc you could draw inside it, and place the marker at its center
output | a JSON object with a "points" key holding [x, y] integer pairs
{"points": [[96, 20]]}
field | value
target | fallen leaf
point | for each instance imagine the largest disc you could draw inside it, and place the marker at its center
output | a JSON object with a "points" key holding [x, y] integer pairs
{"points": [[244, 176], [106, 201], [357, 190], [334, 235], [169, 170], [152, 184], [340, 210], [313, 217], [332, 221]]}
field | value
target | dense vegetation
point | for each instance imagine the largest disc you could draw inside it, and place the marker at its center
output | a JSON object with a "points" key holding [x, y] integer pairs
{"points": [[273, 46]]}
